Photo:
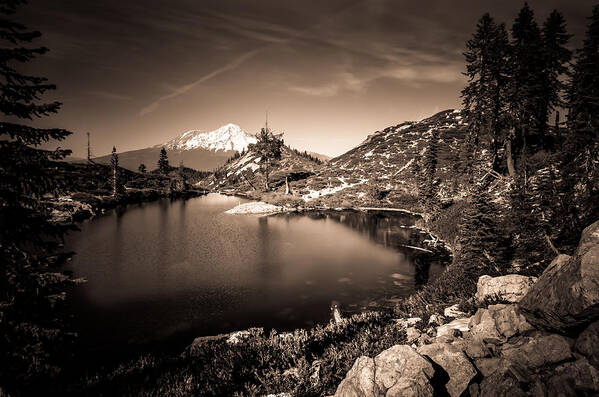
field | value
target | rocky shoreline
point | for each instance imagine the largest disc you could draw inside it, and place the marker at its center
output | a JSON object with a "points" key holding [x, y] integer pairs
{"points": [[78, 206], [529, 337]]}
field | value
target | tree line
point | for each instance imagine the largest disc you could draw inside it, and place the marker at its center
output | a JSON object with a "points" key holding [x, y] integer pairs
{"points": [[516, 81]]}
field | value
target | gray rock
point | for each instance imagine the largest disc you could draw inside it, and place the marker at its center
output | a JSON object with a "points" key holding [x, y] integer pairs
{"points": [[473, 348], [488, 365], [412, 335], [498, 323], [566, 296], [510, 288], [397, 371], [500, 385], [408, 322], [574, 379], [400, 371], [537, 351], [454, 362], [453, 312], [587, 343], [460, 324], [359, 381]]}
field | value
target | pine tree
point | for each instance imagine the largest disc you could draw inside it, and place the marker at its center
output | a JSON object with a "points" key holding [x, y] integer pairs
{"points": [[525, 88], [580, 165], [481, 236], [29, 329], [583, 90], [163, 165], [268, 146], [556, 58], [484, 96], [116, 182], [526, 226], [142, 168], [429, 185]]}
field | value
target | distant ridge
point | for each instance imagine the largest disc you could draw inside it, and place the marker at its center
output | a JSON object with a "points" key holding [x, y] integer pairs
{"points": [[201, 150]]}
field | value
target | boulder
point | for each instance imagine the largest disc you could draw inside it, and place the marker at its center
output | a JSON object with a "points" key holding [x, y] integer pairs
{"points": [[566, 296], [588, 239], [504, 289], [537, 351], [577, 378], [460, 324], [359, 381], [400, 371], [473, 348], [488, 365], [498, 323], [397, 371], [587, 343], [412, 335], [498, 384], [454, 312], [408, 322], [454, 362]]}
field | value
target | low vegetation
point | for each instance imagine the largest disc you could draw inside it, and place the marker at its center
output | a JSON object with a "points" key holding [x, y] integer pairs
{"points": [[503, 188]]}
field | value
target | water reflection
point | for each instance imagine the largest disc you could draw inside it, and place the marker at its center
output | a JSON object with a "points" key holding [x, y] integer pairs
{"points": [[186, 266]]}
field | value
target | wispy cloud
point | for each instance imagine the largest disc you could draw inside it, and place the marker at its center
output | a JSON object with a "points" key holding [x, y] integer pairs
{"points": [[110, 95], [185, 88]]}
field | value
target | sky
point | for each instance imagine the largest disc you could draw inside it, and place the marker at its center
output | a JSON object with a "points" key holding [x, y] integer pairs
{"points": [[136, 73]]}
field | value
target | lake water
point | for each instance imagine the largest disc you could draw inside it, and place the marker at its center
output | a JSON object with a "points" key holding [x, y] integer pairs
{"points": [[186, 268]]}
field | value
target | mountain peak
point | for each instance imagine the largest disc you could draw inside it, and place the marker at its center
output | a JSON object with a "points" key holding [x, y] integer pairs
{"points": [[226, 138]]}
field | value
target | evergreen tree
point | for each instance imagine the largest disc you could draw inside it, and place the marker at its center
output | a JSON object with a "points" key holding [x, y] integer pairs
{"points": [[163, 165], [484, 96], [526, 227], [580, 168], [556, 58], [583, 90], [429, 185], [30, 330], [525, 89], [268, 146], [481, 238], [142, 168], [117, 186]]}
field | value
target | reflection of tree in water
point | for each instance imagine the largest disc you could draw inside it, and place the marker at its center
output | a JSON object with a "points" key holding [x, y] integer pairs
{"points": [[269, 264], [390, 230], [422, 266]]}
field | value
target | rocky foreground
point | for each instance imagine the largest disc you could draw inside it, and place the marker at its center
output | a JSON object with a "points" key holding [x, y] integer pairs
{"points": [[529, 337]]}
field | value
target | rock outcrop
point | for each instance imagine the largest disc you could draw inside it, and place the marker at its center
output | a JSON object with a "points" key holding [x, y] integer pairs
{"points": [[587, 343], [504, 289], [566, 296], [397, 371], [454, 363], [547, 344]]}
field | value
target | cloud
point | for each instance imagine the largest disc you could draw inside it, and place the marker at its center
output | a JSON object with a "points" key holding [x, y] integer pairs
{"points": [[110, 95], [185, 88]]}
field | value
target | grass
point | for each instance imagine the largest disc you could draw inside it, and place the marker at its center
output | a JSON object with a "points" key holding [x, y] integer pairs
{"points": [[306, 362]]}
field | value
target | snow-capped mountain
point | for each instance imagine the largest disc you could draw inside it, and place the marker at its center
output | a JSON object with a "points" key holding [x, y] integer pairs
{"points": [[229, 137], [200, 150], [385, 160]]}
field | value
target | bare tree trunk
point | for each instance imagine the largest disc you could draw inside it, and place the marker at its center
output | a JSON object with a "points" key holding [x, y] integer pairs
{"points": [[266, 172], [248, 181], [551, 245], [510, 156]]}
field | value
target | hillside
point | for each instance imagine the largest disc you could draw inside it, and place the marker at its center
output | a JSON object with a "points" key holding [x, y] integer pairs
{"points": [[381, 169], [378, 172], [240, 174]]}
